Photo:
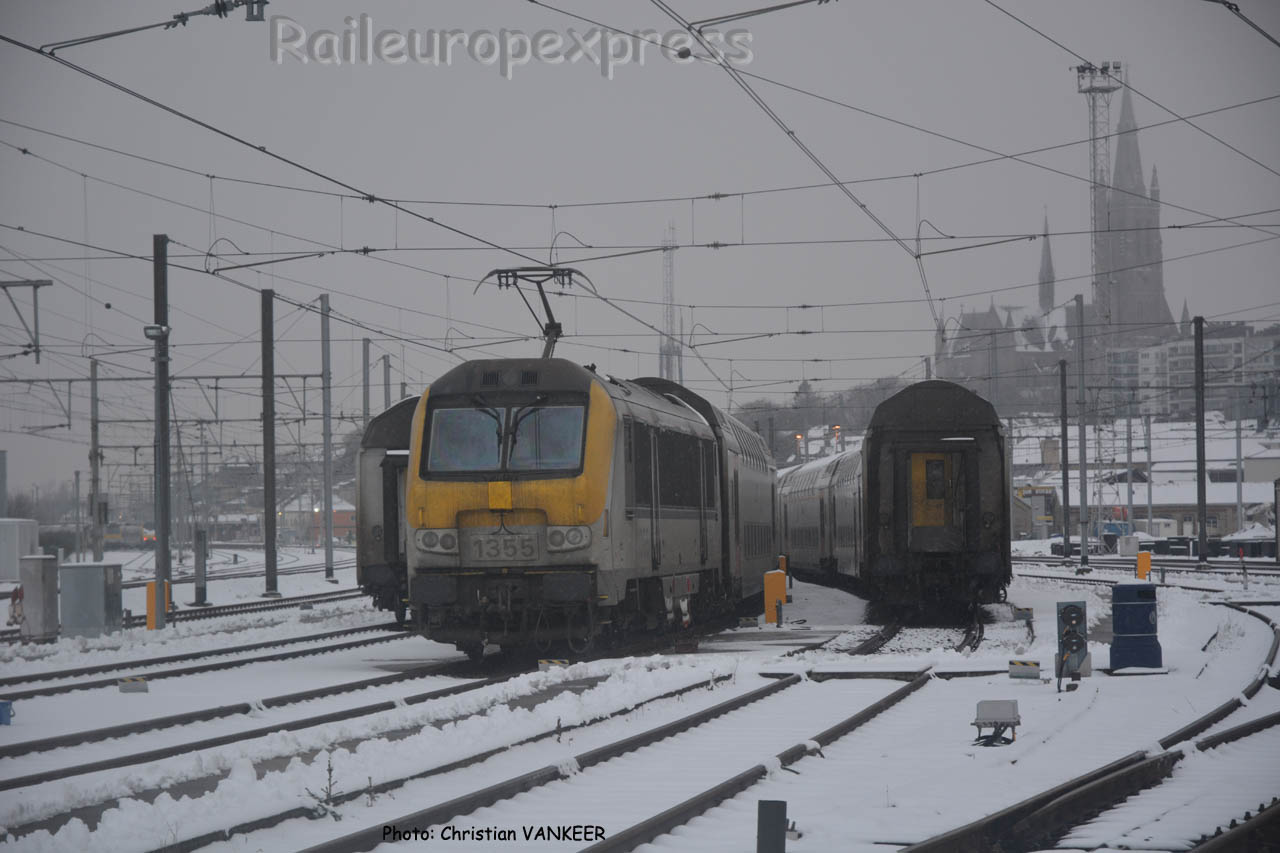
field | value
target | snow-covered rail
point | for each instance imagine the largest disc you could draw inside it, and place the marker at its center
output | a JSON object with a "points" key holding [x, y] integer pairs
{"points": [[1051, 814], [140, 669], [107, 733]]}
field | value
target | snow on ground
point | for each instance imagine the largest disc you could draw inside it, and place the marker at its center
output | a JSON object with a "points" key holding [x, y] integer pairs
{"points": [[200, 634], [241, 797], [908, 774]]}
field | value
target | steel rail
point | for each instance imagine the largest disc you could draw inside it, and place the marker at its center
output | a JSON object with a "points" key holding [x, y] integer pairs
{"points": [[370, 837], [390, 785], [54, 675], [58, 689], [217, 712], [1046, 815], [226, 609], [662, 823], [151, 755]]}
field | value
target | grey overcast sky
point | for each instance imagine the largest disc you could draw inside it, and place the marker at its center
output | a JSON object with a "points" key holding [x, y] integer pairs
{"points": [[556, 135]]}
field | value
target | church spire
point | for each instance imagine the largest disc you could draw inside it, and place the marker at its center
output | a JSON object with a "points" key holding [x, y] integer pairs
{"points": [[1186, 318], [1155, 184], [1128, 170], [1046, 270]]}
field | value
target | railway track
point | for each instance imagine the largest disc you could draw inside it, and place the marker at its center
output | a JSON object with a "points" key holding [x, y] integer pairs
{"points": [[1215, 566], [72, 739], [136, 621], [649, 754], [1051, 814], [157, 675], [513, 699]]}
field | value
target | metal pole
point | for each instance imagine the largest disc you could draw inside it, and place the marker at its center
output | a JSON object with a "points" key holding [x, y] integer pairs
{"points": [[1239, 477], [991, 366], [160, 254], [1128, 462], [771, 826], [78, 543], [364, 364], [201, 556], [1084, 454], [95, 456], [327, 393], [1202, 515], [4, 484], [269, 443], [1066, 482], [386, 382], [1150, 451]]}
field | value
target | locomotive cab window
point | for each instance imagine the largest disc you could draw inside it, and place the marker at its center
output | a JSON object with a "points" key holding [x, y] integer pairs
{"points": [[547, 438], [529, 436]]}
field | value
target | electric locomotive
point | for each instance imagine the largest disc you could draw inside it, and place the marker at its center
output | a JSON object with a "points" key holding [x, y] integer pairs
{"points": [[548, 505], [919, 512]]}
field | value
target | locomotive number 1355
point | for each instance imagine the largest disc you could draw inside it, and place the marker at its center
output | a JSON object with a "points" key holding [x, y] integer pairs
{"points": [[504, 547]]}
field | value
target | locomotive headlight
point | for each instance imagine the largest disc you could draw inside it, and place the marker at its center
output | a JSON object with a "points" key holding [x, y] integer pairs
{"points": [[988, 519], [437, 541], [568, 538]]}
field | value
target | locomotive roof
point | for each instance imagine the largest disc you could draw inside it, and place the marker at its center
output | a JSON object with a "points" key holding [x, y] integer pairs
{"points": [[935, 404], [514, 374]]}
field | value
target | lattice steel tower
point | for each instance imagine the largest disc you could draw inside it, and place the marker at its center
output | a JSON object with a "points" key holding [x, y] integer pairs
{"points": [[1097, 84], [670, 358]]}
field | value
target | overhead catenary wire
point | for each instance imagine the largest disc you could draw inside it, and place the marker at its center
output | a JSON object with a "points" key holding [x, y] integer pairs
{"points": [[1136, 91]]}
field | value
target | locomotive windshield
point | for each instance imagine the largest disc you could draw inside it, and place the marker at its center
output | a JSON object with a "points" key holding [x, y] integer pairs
{"points": [[546, 439], [535, 438]]}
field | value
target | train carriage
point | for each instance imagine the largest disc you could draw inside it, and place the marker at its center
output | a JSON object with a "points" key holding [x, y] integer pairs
{"points": [[381, 463], [918, 511]]}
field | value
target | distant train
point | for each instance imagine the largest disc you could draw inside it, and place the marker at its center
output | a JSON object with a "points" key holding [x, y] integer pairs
{"points": [[118, 536], [917, 512], [541, 504]]}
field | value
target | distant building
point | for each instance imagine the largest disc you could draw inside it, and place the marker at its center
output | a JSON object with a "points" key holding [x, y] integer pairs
{"points": [[1009, 353]]}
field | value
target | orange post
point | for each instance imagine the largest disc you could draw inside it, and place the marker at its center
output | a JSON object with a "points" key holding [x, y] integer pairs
{"points": [[151, 602], [775, 591], [1144, 564]]}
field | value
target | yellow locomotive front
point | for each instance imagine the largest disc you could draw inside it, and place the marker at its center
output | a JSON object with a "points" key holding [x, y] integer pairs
{"points": [[506, 504]]}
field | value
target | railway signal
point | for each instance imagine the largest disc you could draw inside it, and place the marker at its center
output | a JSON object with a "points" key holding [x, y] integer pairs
{"points": [[1073, 645]]}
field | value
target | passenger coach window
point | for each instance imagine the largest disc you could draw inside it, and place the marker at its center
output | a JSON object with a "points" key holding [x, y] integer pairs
{"points": [[679, 467], [710, 484], [643, 465], [935, 480]]}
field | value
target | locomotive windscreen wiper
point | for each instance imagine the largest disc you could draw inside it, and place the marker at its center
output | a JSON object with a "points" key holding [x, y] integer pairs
{"points": [[483, 405], [522, 413]]}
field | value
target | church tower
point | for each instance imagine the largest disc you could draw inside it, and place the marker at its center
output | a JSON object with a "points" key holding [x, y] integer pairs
{"points": [[1046, 271], [1135, 302]]}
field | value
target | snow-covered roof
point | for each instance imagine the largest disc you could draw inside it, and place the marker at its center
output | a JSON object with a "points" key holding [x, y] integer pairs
{"points": [[1253, 532], [1173, 442], [1179, 492]]}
